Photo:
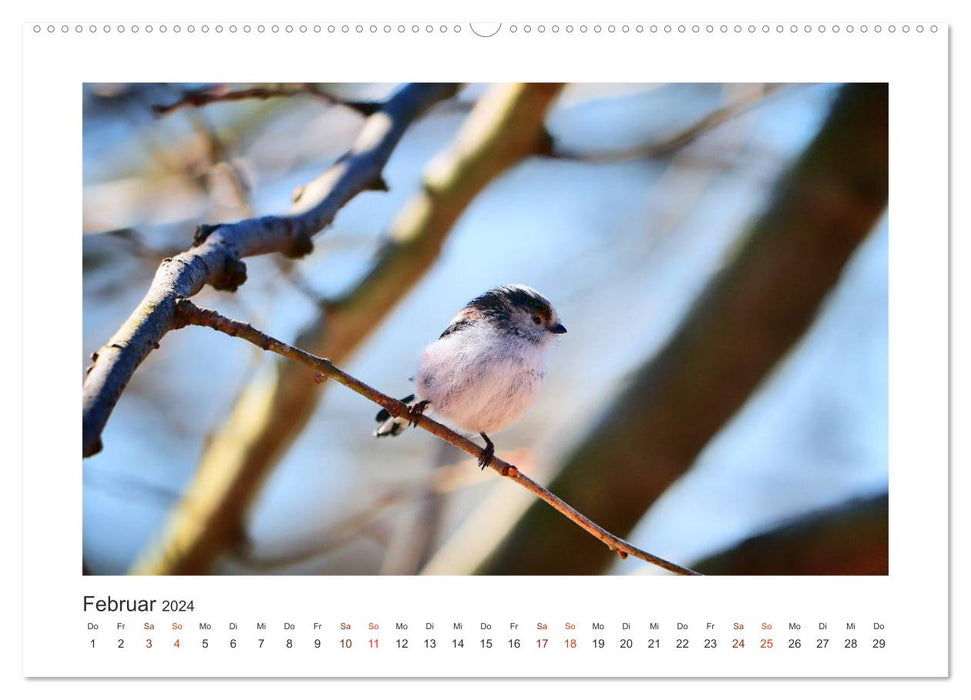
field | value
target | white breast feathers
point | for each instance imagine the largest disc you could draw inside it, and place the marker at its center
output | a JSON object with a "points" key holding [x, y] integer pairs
{"points": [[479, 381]]}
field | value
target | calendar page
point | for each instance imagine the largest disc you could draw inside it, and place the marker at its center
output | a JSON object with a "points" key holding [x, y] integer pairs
{"points": [[438, 348]]}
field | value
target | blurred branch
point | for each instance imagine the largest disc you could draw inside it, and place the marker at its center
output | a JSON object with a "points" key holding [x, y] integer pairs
{"points": [[135, 242], [748, 317], [661, 148], [217, 252], [188, 313], [416, 532], [131, 489], [219, 155], [505, 127], [675, 194], [849, 539], [440, 481], [224, 93]]}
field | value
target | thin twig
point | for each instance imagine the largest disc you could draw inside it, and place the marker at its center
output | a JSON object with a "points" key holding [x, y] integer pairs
{"points": [[187, 313], [216, 257], [224, 93], [665, 146]]}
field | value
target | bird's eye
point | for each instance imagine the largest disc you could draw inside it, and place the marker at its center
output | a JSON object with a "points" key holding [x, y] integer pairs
{"points": [[537, 319]]}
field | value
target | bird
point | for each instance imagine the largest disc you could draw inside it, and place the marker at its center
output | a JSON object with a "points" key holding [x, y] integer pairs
{"points": [[486, 368]]}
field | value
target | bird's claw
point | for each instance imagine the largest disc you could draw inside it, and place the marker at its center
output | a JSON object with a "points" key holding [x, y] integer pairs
{"points": [[485, 457], [416, 411], [487, 452]]}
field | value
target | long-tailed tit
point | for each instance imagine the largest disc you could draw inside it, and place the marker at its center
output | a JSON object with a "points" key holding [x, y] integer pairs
{"points": [[487, 367]]}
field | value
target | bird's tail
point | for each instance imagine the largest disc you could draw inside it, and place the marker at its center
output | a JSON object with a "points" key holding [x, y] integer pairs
{"points": [[389, 424]]}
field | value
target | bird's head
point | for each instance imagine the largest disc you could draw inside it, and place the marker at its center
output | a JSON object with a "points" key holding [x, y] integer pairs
{"points": [[520, 311]]}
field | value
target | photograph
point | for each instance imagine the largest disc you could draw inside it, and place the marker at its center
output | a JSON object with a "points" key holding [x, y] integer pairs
{"points": [[485, 329]]}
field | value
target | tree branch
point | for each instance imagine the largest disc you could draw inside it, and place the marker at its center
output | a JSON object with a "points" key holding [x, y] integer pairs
{"points": [[675, 141], [187, 313], [224, 93], [217, 252], [505, 127]]}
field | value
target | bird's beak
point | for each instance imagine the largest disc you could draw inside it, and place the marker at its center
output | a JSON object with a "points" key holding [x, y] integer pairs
{"points": [[558, 328]]}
